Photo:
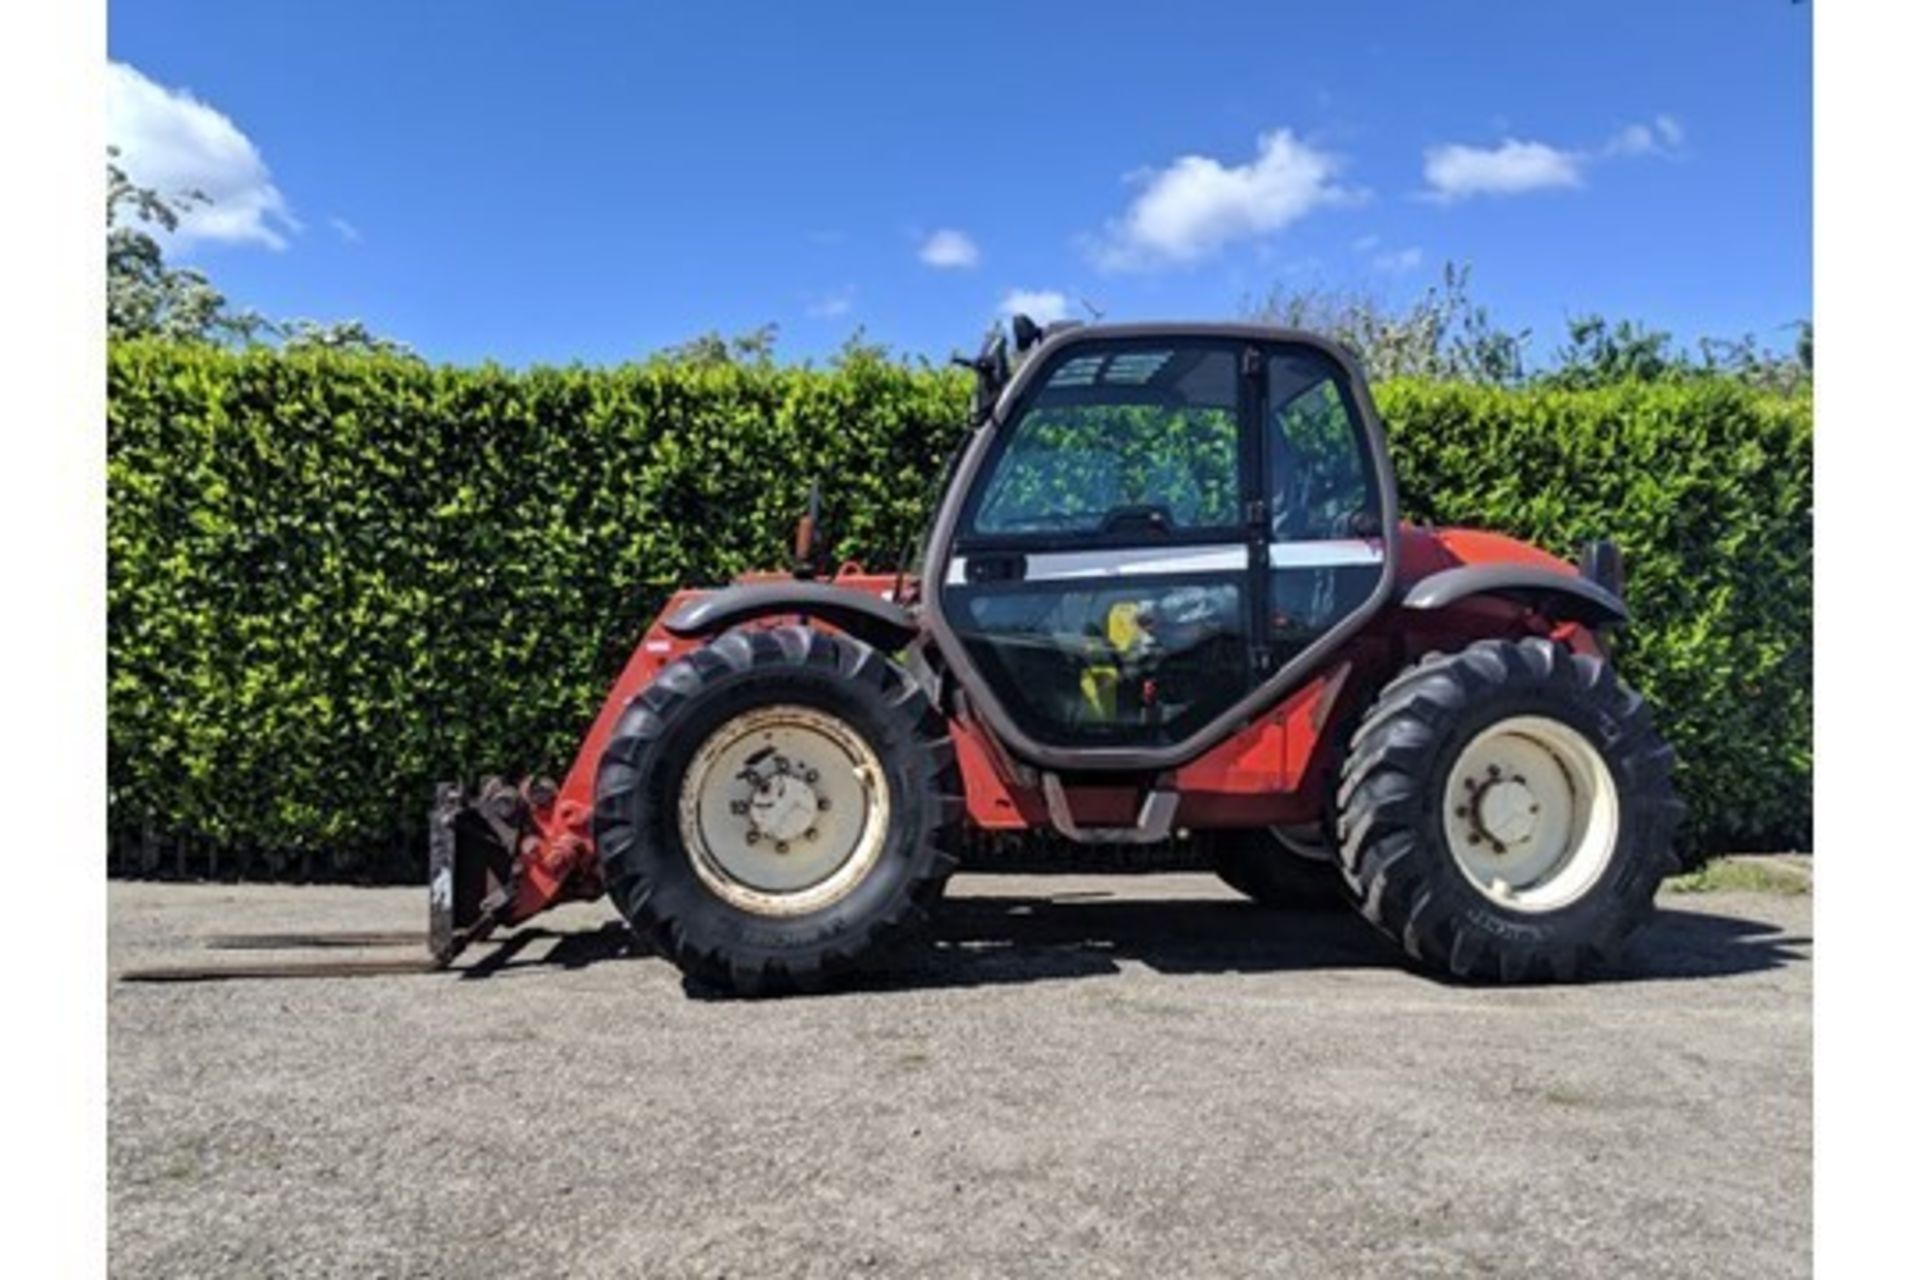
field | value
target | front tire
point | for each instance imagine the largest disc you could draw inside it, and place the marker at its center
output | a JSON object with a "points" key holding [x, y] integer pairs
{"points": [[777, 809], [1507, 812]]}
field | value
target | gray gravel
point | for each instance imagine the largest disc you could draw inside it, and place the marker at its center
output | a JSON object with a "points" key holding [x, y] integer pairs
{"points": [[1086, 1076]]}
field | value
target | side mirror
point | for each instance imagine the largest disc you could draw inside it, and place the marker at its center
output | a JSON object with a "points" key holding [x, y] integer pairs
{"points": [[992, 369], [1025, 333]]}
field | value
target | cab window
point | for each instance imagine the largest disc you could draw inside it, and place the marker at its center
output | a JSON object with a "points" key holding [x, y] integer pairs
{"points": [[1140, 437]]}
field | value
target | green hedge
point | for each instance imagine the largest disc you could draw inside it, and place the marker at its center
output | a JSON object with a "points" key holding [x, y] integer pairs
{"points": [[334, 579]]}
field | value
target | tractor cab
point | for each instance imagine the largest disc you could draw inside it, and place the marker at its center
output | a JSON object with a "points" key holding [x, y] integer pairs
{"points": [[1152, 530]]}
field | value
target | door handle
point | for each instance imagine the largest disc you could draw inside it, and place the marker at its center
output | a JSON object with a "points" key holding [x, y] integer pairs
{"points": [[996, 568]]}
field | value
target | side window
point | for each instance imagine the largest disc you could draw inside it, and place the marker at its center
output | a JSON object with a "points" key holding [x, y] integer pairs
{"points": [[1131, 437], [1317, 467], [1325, 552]]}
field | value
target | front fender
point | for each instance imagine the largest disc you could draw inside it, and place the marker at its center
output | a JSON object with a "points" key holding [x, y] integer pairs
{"points": [[880, 622], [1561, 595]]}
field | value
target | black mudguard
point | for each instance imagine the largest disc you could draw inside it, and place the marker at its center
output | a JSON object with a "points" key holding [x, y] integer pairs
{"points": [[1561, 595], [881, 623]]}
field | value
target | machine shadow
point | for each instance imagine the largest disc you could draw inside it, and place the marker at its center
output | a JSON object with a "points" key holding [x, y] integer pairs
{"points": [[989, 941], [572, 949], [980, 941]]}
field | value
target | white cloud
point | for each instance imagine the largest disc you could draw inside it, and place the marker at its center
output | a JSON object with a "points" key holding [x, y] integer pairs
{"points": [[1662, 136], [1634, 140], [1399, 261], [949, 248], [837, 303], [346, 230], [171, 141], [1042, 306], [1196, 205], [1455, 171]]}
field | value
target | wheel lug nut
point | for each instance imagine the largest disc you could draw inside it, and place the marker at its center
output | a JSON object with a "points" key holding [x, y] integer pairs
{"points": [[739, 808], [1493, 771], [753, 837], [813, 775], [825, 804], [1473, 837], [812, 833], [1460, 811], [780, 846]]}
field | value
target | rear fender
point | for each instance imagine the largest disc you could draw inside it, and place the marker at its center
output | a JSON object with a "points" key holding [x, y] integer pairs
{"points": [[1559, 595]]}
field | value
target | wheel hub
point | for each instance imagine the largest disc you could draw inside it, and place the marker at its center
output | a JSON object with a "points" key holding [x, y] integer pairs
{"points": [[783, 808], [1505, 812]]}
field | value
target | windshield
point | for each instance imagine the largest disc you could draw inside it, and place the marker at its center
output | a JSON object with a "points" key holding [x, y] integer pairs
{"points": [[1142, 433]]}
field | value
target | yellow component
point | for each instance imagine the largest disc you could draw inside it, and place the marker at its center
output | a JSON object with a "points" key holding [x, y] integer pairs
{"points": [[1100, 681], [1100, 685]]}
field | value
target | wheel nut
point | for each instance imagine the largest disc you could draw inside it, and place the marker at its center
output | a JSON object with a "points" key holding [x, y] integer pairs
{"points": [[780, 846], [739, 808], [813, 775], [753, 837], [1473, 837], [1460, 812], [825, 804], [812, 833], [1493, 771]]}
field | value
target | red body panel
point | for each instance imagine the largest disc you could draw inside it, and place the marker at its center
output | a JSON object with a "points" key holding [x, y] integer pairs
{"points": [[1274, 771]]}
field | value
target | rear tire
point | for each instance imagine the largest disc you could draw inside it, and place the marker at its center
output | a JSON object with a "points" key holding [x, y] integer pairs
{"points": [[852, 736], [1475, 869], [1255, 863]]}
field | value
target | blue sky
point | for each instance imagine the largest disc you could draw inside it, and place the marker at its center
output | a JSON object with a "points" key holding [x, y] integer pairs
{"points": [[559, 181]]}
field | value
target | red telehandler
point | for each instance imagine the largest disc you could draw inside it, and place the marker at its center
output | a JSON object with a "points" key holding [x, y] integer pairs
{"points": [[1166, 590]]}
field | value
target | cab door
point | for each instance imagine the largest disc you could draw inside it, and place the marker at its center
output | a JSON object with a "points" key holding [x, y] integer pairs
{"points": [[1322, 559], [1102, 572]]}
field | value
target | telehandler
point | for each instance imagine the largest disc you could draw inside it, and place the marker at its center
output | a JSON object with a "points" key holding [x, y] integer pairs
{"points": [[1166, 590]]}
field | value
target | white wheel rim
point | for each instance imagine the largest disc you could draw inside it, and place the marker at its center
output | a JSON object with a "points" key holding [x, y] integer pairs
{"points": [[1532, 813], [783, 810]]}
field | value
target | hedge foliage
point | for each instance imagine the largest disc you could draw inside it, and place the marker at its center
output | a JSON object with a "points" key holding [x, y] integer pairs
{"points": [[335, 579]]}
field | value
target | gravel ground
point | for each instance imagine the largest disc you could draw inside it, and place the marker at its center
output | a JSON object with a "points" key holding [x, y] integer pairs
{"points": [[1085, 1076]]}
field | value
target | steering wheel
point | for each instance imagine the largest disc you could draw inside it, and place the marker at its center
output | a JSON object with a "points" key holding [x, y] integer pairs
{"points": [[1140, 518]]}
